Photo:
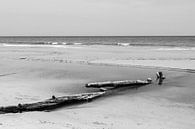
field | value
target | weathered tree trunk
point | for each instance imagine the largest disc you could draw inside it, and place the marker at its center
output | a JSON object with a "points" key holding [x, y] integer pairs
{"points": [[118, 84], [52, 103]]}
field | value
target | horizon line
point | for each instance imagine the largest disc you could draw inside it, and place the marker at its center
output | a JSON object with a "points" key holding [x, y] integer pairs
{"points": [[98, 36]]}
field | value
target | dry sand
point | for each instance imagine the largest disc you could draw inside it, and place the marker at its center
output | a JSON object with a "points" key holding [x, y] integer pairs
{"points": [[30, 74]]}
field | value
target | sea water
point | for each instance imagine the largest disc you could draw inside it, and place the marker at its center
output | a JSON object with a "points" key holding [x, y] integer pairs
{"points": [[178, 42]]}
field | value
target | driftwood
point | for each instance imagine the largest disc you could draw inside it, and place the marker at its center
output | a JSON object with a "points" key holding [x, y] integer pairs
{"points": [[52, 103], [55, 102], [118, 84]]}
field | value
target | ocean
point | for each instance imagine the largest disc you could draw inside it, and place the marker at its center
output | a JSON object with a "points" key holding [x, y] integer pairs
{"points": [[167, 41]]}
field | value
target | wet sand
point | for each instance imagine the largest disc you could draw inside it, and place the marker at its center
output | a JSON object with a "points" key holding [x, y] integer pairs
{"points": [[31, 74]]}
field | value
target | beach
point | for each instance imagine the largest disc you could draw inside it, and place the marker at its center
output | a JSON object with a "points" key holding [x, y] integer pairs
{"points": [[32, 73]]}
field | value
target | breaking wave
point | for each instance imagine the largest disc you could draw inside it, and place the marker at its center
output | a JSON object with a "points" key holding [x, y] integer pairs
{"points": [[39, 44], [123, 44], [176, 49]]}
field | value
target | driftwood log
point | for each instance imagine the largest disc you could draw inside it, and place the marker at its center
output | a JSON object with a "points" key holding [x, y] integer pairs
{"points": [[55, 102], [52, 103], [118, 84]]}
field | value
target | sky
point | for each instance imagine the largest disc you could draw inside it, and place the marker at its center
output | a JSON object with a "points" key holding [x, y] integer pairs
{"points": [[97, 17]]}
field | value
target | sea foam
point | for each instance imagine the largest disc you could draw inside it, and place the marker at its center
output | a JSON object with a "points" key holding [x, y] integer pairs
{"points": [[176, 49], [123, 44]]}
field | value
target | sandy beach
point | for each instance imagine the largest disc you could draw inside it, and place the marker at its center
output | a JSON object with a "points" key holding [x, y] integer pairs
{"points": [[33, 73]]}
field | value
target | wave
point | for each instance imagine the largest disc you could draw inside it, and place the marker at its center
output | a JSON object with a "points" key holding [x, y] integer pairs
{"points": [[146, 44], [62, 43], [142, 44], [17, 45], [176, 49], [123, 44], [27, 45], [54, 45], [77, 44], [39, 43]]}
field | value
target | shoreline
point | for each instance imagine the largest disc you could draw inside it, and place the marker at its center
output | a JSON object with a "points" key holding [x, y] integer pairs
{"points": [[176, 60]]}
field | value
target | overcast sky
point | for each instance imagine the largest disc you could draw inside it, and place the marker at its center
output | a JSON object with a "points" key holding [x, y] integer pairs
{"points": [[97, 17]]}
